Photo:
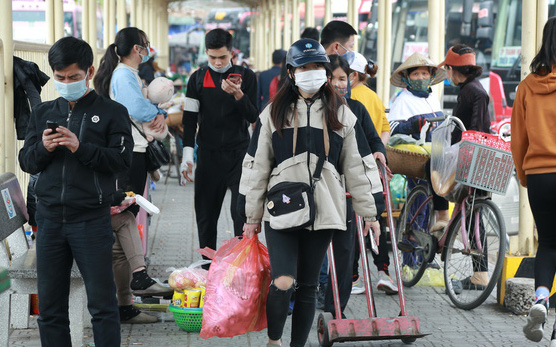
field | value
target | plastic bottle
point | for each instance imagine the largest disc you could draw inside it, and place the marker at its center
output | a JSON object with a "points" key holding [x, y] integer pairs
{"points": [[29, 237]]}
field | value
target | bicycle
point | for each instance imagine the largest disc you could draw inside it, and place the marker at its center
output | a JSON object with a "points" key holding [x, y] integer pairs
{"points": [[474, 234]]}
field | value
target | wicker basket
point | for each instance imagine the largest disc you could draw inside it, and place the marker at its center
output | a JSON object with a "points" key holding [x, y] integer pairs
{"points": [[406, 163]]}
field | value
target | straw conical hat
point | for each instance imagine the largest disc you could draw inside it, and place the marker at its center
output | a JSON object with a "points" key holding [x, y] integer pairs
{"points": [[416, 60]]}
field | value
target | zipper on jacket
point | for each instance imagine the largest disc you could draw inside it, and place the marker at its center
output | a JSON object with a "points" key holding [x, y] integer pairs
{"points": [[82, 127], [99, 189], [62, 193]]}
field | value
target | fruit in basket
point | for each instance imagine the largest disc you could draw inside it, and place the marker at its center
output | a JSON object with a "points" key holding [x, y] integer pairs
{"points": [[427, 146], [411, 148], [185, 279]]}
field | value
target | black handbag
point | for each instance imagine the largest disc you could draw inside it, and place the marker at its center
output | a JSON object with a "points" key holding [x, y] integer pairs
{"points": [[157, 154]]}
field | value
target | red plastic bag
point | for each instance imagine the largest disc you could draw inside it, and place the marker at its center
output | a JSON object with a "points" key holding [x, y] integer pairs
{"points": [[237, 287]]}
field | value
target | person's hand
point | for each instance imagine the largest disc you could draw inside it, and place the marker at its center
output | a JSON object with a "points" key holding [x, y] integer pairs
{"points": [[379, 156], [48, 139], [186, 169], [250, 229], [417, 123], [158, 124], [375, 226], [233, 89], [67, 139]]}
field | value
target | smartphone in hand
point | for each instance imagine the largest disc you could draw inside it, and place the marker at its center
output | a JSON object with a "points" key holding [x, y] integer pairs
{"points": [[234, 78], [52, 125]]}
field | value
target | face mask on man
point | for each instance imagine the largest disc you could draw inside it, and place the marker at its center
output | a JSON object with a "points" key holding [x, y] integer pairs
{"points": [[222, 69], [310, 81], [349, 55], [71, 91]]}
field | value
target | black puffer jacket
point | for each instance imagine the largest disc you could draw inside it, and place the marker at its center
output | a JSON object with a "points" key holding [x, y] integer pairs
{"points": [[28, 82], [78, 186]]}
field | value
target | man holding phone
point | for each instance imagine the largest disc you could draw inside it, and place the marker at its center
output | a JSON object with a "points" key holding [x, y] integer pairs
{"points": [[220, 103], [78, 143]]}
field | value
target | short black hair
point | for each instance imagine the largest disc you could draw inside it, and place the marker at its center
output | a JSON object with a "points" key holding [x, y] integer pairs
{"points": [[70, 50], [310, 33], [336, 31], [278, 55], [218, 38]]}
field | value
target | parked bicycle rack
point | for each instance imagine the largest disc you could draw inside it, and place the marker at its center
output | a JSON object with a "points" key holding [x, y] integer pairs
{"points": [[403, 327]]}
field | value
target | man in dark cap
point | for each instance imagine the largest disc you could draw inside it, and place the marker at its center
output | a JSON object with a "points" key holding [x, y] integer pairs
{"points": [[267, 76]]}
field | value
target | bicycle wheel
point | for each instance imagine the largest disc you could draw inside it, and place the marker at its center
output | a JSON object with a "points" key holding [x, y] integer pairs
{"points": [[415, 245], [471, 272]]}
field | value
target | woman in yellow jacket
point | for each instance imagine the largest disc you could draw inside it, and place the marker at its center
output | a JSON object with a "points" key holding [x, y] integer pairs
{"points": [[361, 92], [534, 154]]}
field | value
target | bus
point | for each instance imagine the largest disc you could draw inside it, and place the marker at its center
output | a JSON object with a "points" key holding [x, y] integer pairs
{"points": [[491, 27], [29, 20]]}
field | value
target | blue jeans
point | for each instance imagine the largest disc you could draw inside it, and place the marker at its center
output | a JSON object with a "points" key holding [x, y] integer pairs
{"points": [[90, 244]]}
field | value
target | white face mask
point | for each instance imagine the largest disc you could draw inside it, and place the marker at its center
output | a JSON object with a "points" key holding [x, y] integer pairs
{"points": [[310, 81], [222, 69]]}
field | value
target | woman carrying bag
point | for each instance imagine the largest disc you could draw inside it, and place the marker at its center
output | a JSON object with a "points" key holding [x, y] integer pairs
{"points": [[291, 179]]}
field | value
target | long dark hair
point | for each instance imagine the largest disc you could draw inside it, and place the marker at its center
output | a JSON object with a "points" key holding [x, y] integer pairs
{"points": [[546, 58], [288, 95], [122, 47]]}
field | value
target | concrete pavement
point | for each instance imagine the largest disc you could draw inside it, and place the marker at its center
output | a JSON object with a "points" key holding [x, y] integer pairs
{"points": [[172, 241]]}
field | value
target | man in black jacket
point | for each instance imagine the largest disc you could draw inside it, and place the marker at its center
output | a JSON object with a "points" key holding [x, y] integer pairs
{"points": [[78, 143], [220, 102]]}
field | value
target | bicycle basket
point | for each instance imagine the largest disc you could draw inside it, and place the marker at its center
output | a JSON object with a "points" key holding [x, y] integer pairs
{"points": [[484, 162], [406, 162]]}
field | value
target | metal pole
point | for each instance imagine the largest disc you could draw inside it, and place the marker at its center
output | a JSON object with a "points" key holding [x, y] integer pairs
{"points": [[309, 14], [353, 20], [2, 104], [137, 13], [145, 14], [49, 14], [386, 65], [112, 21], [269, 35], [528, 50], [434, 39], [121, 18], [152, 22], [93, 27], [105, 25], [277, 24], [59, 21], [379, 50], [85, 20], [6, 35], [133, 6], [287, 25], [327, 11], [295, 21], [334, 281]]}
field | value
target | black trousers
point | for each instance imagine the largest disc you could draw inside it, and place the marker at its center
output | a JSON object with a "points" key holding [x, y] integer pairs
{"points": [[216, 172], [90, 244], [541, 189], [297, 254], [135, 178]]}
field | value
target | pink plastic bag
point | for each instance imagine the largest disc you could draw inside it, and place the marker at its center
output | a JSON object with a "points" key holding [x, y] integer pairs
{"points": [[237, 287]]}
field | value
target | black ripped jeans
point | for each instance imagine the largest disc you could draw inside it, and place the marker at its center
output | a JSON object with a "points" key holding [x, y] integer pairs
{"points": [[297, 254]]}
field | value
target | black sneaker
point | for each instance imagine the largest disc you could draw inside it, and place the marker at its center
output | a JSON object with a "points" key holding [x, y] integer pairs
{"points": [[553, 338]]}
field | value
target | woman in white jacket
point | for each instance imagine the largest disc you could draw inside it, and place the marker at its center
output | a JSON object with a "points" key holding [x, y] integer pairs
{"points": [[306, 127]]}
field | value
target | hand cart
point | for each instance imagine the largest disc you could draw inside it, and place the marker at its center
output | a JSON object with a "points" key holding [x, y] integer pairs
{"points": [[403, 327]]}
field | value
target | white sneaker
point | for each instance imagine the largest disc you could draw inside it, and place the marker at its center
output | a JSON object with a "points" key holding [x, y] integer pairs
{"points": [[358, 287], [386, 284], [533, 329]]}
